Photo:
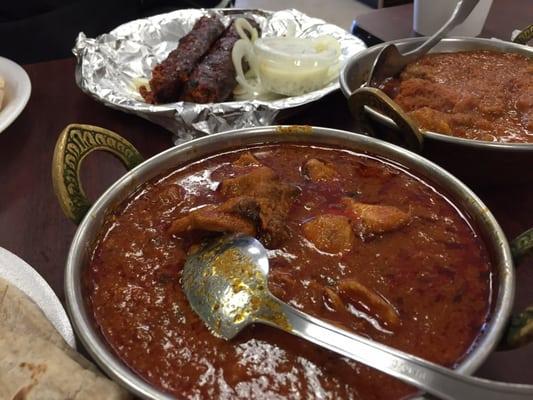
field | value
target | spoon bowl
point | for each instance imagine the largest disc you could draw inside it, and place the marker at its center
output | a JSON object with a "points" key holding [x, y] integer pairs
{"points": [[226, 283]]}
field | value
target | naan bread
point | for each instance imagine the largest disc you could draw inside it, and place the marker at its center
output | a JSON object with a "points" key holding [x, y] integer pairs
{"points": [[36, 363], [33, 369], [20, 314]]}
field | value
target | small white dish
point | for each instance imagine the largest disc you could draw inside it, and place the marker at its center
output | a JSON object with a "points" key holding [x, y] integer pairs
{"points": [[20, 274], [17, 91]]}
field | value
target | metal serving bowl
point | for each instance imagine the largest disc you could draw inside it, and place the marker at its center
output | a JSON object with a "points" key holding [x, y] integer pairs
{"points": [[475, 161], [76, 141]]}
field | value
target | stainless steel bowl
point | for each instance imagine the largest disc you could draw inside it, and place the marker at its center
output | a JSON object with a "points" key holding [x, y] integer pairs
{"points": [[77, 141], [475, 161]]}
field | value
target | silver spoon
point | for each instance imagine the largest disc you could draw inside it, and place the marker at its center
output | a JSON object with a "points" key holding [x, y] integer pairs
{"points": [[390, 61], [226, 283]]}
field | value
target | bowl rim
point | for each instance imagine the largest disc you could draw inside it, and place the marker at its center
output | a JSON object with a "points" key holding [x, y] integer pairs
{"points": [[496, 44], [81, 244]]}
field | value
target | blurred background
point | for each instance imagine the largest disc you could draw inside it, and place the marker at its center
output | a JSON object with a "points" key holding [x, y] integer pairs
{"points": [[40, 30]]}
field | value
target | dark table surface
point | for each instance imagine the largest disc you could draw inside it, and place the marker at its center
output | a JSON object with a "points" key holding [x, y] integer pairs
{"points": [[33, 227], [393, 23]]}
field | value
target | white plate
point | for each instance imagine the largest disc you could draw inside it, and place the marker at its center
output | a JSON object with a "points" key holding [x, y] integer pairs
{"points": [[24, 277], [17, 91]]}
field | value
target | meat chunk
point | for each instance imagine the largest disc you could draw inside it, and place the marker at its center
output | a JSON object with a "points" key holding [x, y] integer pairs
{"points": [[213, 80], [169, 77], [373, 218], [244, 206], [281, 283], [267, 217], [330, 233], [257, 204], [213, 219], [261, 182], [417, 70], [272, 217], [354, 292], [319, 171], [247, 160], [431, 120], [274, 199], [524, 100], [333, 301], [467, 103], [417, 93], [462, 121]]}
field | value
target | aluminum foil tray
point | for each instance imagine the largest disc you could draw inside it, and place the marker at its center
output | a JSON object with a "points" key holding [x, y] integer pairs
{"points": [[110, 68]]}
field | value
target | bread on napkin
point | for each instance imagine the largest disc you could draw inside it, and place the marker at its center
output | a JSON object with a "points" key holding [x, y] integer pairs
{"points": [[36, 363]]}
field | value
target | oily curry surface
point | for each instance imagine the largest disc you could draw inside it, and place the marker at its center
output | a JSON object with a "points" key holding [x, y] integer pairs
{"points": [[482, 95], [352, 239]]}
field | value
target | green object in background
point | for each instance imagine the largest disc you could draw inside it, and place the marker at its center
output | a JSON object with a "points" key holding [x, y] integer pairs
{"points": [[525, 36]]}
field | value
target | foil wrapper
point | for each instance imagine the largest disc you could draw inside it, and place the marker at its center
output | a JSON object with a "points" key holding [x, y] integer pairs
{"points": [[111, 67]]}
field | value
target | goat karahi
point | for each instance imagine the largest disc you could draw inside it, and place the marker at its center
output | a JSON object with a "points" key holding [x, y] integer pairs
{"points": [[353, 239]]}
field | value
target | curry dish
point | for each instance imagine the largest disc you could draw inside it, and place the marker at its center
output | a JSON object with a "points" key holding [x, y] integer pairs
{"points": [[482, 95], [353, 239]]}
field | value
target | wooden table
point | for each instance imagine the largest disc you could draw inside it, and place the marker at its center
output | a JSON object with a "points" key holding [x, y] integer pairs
{"points": [[33, 226], [393, 23]]}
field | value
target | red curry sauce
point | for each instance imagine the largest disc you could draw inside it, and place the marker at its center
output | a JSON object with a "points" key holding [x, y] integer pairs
{"points": [[482, 95], [423, 286]]}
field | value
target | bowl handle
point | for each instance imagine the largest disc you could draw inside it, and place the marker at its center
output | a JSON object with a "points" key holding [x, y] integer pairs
{"points": [[520, 329], [525, 36], [408, 135], [75, 142]]}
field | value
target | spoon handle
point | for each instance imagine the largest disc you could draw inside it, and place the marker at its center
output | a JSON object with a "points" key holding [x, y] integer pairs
{"points": [[460, 13], [432, 378]]}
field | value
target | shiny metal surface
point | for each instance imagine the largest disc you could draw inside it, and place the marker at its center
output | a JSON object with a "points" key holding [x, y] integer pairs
{"points": [[390, 61], [226, 283], [463, 197], [112, 66], [356, 71]]}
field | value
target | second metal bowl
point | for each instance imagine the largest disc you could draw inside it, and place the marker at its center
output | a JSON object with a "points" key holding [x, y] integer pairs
{"points": [[475, 161]]}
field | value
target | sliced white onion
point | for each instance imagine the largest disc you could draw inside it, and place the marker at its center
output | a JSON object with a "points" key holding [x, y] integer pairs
{"points": [[243, 50], [242, 25], [288, 66]]}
